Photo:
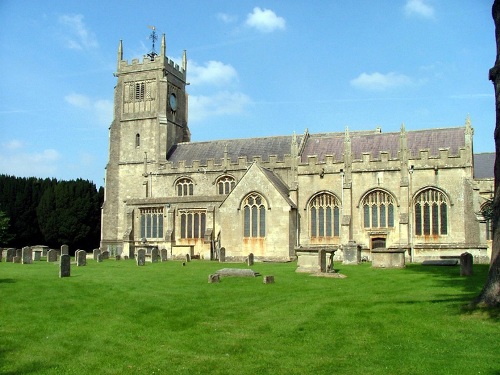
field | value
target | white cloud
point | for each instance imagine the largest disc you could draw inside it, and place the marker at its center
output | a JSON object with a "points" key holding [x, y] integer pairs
{"points": [[265, 20], [227, 18], [379, 82], [102, 109], [419, 8], [220, 104], [26, 163], [212, 73], [77, 35]]}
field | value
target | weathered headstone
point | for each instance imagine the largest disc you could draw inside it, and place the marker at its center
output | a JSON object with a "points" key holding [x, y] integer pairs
{"points": [[222, 255], [105, 254], [27, 255], [188, 258], [52, 255], [16, 259], [351, 253], [163, 255], [268, 280], [37, 255], [64, 250], [19, 253], [213, 278], [9, 255], [65, 266], [250, 259], [141, 257], [118, 257], [155, 254], [466, 261], [81, 258], [99, 258], [95, 253]]}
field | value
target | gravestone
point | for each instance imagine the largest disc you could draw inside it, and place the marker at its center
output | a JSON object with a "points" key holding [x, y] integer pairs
{"points": [[52, 255], [188, 258], [64, 250], [268, 280], [99, 258], [351, 253], [16, 259], [155, 254], [222, 255], [9, 255], [81, 258], [118, 257], [163, 255], [105, 254], [141, 257], [19, 253], [65, 266], [466, 262], [250, 259], [95, 253], [37, 255], [27, 255], [213, 278]]}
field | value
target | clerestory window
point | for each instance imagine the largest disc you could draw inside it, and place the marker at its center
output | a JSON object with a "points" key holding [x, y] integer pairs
{"points": [[184, 187], [225, 184]]}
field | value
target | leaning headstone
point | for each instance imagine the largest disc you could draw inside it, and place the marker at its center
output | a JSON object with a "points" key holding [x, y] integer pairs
{"points": [[155, 254], [222, 255], [268, 279], [9, 255], [52, 255], [16, 259], [141, 257], [27, 255], [95, 253], [65, 266], [466, 262], [213, 278], [163, 255], [81, 258], [188, 258], [250, 259], [64, 250]]}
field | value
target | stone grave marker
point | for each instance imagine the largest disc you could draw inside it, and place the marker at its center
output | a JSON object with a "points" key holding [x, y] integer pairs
{"points": [[81, 258], [188, 258], [163, 255], [118, 257], [19, 253], [105, 254], [95, 253], [222, 255], [99, 258], [141, 257], [64, 250], [213, 278], [65, 266], [250, 259], [322, 260], [52, 255], [466, 261], [9, 255], [27, 255], [155, 254], [268, 279], [37, 255], [16, 259]]}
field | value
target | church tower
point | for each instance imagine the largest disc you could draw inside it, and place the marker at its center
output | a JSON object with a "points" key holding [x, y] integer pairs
{"points": [[150, 117]]}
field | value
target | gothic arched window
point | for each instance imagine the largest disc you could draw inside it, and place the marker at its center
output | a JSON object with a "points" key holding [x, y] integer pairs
{"points": [[254, 216], [184, 187], [225, 184], [431, 213], [378, 210], [324, 216]]}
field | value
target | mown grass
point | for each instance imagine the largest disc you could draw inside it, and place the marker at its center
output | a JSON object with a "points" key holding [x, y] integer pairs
{"points": [[117, 318]]}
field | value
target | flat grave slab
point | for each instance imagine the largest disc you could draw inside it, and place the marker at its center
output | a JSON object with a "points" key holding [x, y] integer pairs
{"points": [[440, 262], [238, 272]]}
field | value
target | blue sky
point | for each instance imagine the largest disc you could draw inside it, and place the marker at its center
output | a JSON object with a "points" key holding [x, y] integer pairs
{"points": [[256, 68]]}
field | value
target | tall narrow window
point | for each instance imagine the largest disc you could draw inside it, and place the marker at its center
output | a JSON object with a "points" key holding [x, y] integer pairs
{"points": [[225, 184], [184, 187], [378, 210], [139, 90], [193, 223], [151, 222], [431, 213], [137, 140], [324, 216], [254, 216]]}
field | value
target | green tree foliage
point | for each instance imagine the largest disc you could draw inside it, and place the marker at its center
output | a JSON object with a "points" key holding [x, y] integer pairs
{"points": [[5, 236], [51, 212]]}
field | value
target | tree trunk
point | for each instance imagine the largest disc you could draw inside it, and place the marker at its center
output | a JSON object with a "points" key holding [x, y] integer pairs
{"points": [[490, 295]]}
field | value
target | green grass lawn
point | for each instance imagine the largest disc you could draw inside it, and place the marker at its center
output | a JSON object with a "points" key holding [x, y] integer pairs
{"points": [[117, 318]]}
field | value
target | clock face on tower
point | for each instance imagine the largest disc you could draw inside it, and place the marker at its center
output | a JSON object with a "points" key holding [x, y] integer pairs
{"points": [[173, 102]]}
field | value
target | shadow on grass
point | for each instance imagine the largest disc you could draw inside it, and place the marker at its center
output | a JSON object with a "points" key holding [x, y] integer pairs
{"points": [[471, 286], [7, 281]]}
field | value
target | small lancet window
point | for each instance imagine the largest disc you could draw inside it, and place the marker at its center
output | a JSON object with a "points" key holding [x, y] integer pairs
{"points": [[137, 140]]}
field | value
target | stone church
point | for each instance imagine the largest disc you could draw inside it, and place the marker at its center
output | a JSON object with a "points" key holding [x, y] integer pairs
{"points": [[419, 191]]}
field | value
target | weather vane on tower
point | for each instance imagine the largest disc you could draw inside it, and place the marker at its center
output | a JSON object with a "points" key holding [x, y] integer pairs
{"points": [[153, 38]]}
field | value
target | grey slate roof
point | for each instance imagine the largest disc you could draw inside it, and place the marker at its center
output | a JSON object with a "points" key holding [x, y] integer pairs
{"points": [[251, 147], [484, 165]]}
